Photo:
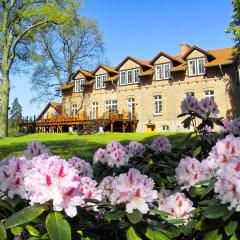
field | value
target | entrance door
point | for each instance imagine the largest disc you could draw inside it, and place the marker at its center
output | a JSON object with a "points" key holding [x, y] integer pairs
{"points": [[94, 110], [131, 107]]}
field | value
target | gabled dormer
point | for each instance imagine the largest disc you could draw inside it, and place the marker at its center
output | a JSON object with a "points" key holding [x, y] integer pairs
{"points": [[162, 63], [197, 59], [102, 74], [80, 78], [130, 69]]}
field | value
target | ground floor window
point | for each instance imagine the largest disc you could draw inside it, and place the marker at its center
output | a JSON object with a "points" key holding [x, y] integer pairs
{"points": [[111, 106], [157, 104], [131, 107], [94, 110], [165, 128], [209, 94], [189, 94]]}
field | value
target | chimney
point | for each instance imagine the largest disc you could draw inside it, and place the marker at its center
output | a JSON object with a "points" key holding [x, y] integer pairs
{"points": [[184, 47]]}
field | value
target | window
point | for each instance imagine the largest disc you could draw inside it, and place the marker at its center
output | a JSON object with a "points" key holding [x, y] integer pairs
{"points": [[157, 104], [129, 76], [209, 94], [99, 81], [165, 128], [111, 106], [196, 66], [162, 71], [122, 78], [74, 109], [77, 86], [94, 110], [81, 82], [131, 107], [189, 94]]}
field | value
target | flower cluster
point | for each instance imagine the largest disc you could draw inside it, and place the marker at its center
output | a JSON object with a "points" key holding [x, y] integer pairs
{"points": [[177, 205], [161, 144], [134, 189], [36, 148], [205, 107], [231, 126], [117, 155]]}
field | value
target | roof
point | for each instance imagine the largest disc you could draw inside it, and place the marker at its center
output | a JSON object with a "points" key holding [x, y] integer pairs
{"points": [[111, 70], [223, 56], [138, 61], [112, 79], [181, 67], [173, 59], [84, 72], [67, 86], [207, 53], [147, 73], [56, 105], [89, 83]]}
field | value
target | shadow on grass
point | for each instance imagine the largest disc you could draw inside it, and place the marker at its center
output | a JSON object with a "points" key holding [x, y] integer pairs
{"points": [[83, 147]]}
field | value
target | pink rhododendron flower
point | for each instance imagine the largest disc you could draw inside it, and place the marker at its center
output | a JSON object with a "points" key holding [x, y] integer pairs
{"points": [[113, 146], [100, 155], [136, 148], [188, 172], [12, 176], [162, 195], [228, 185], [208, 107], [106, 186], [235, 126], [36, 148], [178, 205], [134, 189], [161, 144], [83, 167], [226, 126], [190, 103]]}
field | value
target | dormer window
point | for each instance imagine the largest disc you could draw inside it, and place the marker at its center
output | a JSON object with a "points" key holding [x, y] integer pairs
{"points": [[162, 71], [196, 67], [100, 81], [129, 76], [79, 85]]}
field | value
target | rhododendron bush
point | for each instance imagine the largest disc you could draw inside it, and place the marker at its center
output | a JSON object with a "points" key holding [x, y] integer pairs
{"points": [[133, 191]]}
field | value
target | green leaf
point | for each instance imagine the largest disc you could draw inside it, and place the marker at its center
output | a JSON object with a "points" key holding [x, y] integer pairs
{"points": [[233, 237], [197, 151], [17, 231], [160, 236], [135, 217], [231, 228], [176, 221], [3, 234], [214, 211], [32, 230], [213, 235], [149, 233], [116, 215], [57, 227], [25, 215], [5, 205], [132, 235]]}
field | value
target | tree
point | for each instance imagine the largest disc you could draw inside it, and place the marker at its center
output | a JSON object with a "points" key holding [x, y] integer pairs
{"points": [[20, 21], [62, 50], [234, 26], [15, 111]]}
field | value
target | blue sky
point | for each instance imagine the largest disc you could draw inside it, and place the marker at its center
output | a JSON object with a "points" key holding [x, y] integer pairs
{"points": [[142, 28]]}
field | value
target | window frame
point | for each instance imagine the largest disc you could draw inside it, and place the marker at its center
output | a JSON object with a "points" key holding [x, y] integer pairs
{"points": [[157, 105], [111, 104], [211, 94], [81, 82], [134, 73], [196, 62], [77, 86], [99, 84], [161, 71]]}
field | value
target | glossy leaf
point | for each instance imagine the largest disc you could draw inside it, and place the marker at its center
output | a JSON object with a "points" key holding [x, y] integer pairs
{"points": [[231, 228], [116, 215], [3, 234], [214, 211], [135, 217], [32, 230], [132, 235], [57, 227], [213, 235]]}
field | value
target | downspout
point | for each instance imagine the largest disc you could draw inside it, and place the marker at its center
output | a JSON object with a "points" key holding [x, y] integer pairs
{"points": [[142, 109], [225, 90], [116, 90], [174, 106]]}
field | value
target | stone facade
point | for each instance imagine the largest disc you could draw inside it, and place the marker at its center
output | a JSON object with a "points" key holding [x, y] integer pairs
{"points": [[220, 79]]}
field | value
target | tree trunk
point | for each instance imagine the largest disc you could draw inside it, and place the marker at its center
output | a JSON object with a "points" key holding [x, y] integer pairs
{"points": [[4, 95]]}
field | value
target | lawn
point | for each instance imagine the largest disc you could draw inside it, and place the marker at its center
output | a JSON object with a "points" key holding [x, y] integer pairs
{"points": [[67, 145]]}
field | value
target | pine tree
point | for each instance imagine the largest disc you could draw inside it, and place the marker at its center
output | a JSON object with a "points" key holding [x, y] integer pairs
{"points": [[15, 112]]}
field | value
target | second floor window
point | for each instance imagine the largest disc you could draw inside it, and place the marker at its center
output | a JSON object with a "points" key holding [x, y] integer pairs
{"points": [[162, 71], [157, 100], [100, 81], [81, 82], [79, 85], [111, 106], [129, 76], [209, 94], [196, 66]]}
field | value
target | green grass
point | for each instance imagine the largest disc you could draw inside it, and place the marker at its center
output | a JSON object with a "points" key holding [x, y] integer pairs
{"points": [[67, 145]]}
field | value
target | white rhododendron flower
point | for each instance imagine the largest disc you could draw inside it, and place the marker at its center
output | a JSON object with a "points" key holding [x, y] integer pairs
{"points": [[134, 189], [161, 144], [228, 185], [83, 167], [35, 149], [136, 148], [178, 206], [106, 186], [162, 195], [188, 172]]}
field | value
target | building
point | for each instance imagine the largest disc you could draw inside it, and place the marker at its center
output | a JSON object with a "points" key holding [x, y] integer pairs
{"points": [[148, 94]]}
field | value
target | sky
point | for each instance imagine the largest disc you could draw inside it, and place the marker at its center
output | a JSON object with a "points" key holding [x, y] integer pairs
{"points": [[143, 28]]}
